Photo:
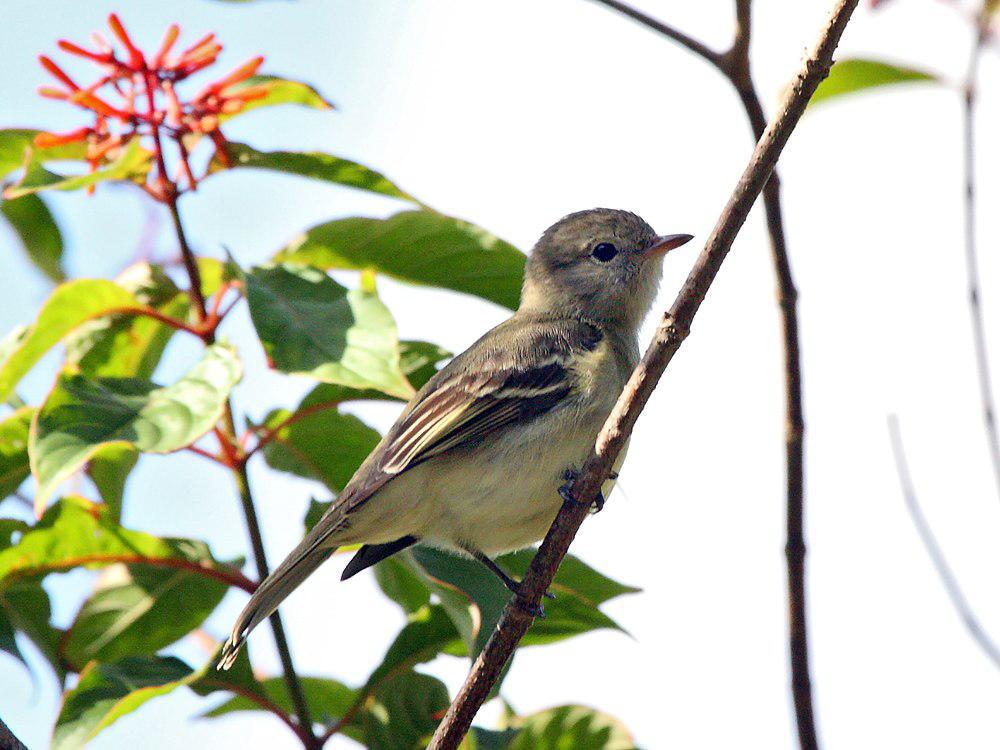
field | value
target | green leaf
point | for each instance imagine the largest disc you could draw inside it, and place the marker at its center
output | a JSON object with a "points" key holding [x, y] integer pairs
{"points": [[851, 76], [311, 325], [327, 446], [18, 150], [38, 232], [69, 306], [398, 580], [315, 512], [82, 415], [75, 533], [471, 595], [14, 468], [130, 345], [327, 699], [106, 692], [109, 469], [479, 738], [403, 712], [281, 91], [420, 247], [428, 633], [132, 164], [576, 727], [315, 165], [24, 608], [474, 597], [418, 361], [141, 611]]}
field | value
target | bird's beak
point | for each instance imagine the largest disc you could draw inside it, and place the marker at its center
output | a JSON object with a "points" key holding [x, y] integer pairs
{"points": [[665, 243]]}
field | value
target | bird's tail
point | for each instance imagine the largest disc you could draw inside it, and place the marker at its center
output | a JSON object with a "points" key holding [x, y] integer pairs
{"points": [[303, 560]]}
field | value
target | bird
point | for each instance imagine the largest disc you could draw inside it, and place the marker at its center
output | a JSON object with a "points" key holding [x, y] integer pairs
{"points": [[480, 459]]}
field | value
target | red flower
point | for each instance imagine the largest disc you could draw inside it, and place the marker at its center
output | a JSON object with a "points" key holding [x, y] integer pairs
{"points": [[135, 96]]}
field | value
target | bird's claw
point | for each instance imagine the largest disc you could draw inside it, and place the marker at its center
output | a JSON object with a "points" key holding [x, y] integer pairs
{"points": [[570, 475], [535, 610]]}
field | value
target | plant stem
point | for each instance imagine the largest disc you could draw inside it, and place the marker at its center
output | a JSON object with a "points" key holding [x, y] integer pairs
{"points": [[735, 66], [971, 255], [231, 449], [189, 260], [281, 641], [940, 562], [673, 329]]}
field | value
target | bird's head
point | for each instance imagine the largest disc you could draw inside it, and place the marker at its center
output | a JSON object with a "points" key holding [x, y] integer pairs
{"points": [[602, 264]]}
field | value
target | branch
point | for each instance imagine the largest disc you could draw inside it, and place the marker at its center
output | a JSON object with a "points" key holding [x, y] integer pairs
{"points": [[954, 591], [227, 575], [787, 294], [292, 680], [270, 433], [7, 739], [709, 55], [735, 66], [231, 450], [517, 615], [971, 260]]}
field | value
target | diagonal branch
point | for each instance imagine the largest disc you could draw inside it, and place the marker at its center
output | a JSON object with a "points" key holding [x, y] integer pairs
{"points": [[948, 579], [735, 66], [7, 739], [673, 329]]}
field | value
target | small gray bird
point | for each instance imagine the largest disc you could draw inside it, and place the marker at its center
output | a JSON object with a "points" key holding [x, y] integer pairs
{"points": [[475, 461]]}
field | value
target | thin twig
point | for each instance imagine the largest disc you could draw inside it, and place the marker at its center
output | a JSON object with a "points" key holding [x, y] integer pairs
{"points": [[227, 575], [948, 579], [294, 684], [269, 434], [152, 312], [207, 454], [231, 450], [518, 614], [971, 256], [703, 51], [735, 66]]}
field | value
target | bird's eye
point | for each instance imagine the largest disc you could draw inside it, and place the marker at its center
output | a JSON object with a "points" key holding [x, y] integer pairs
{"points": [[604, 252]]}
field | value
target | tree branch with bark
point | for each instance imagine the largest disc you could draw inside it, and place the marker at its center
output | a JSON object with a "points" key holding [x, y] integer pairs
{"points": [[673, 329], [734, 65]]}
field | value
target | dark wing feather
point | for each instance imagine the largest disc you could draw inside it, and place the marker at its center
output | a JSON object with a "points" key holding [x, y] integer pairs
{"points": [[496, 387], [518, 371]]}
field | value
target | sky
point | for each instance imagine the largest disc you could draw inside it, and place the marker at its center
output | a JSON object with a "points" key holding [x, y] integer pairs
{"points": [[511, 115]]}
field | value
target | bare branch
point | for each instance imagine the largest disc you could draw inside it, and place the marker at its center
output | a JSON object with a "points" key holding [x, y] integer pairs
{"points": [[708, 54], [673, 329], [971, 259], [735, 66], [954, 591]]}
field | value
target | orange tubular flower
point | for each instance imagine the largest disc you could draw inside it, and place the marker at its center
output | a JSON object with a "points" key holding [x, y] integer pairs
{"points": [[134, 97], [48, 140], [136, 58]]}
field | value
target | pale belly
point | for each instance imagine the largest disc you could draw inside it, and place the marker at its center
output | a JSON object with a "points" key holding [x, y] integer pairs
{"points": [[496, 498]]}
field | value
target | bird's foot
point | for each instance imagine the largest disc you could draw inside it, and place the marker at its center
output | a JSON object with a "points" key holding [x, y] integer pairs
{"points": [[535, 610], [570, 475]]}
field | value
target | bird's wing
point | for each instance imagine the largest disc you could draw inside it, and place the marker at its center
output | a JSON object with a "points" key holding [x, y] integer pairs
{"points": [[512, 375]]}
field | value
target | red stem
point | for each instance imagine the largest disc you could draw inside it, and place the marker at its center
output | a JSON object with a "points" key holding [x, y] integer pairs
{"points": [[272, 432]]}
